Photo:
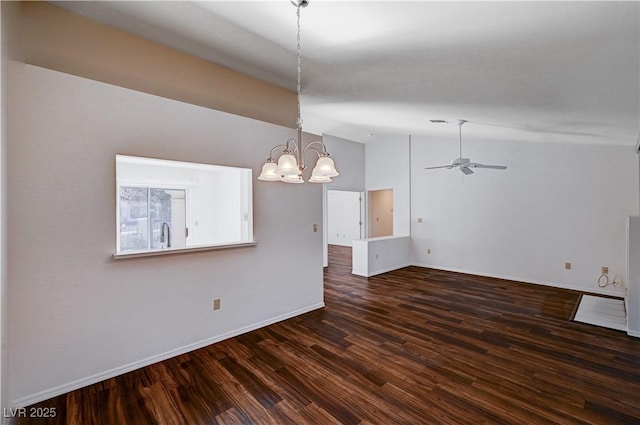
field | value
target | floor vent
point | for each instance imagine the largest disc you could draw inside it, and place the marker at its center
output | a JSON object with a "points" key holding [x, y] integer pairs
{"points": [[602, 311]]}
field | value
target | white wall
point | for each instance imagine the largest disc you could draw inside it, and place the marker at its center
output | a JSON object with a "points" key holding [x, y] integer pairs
{"points": [[229, 196], [3, 280], [349, 159], [633, 269], [387, 166], [77, 316], [374, 256], [632, 299], [220, 192], [555, 203]]}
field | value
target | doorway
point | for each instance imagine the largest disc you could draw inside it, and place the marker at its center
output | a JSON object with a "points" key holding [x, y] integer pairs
{"points": [[344, 217], [343, 223]]}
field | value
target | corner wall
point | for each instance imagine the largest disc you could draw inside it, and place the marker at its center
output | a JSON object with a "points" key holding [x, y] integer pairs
{"points": [[76, 316], [350, 162], [388, 166], [3, 108], [9, 25]]}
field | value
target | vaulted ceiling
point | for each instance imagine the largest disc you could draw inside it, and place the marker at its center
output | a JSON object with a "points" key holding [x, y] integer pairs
{"points": [[535, 71]]}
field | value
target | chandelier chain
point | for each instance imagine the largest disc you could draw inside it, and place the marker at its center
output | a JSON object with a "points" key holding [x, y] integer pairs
{"points": [[299, 68]]}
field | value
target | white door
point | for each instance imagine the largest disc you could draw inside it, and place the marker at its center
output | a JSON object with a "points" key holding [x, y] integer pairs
{"points": [[344, 217]]}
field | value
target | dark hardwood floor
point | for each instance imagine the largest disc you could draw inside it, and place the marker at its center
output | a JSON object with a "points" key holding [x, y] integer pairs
{"points": [[414, 346]]}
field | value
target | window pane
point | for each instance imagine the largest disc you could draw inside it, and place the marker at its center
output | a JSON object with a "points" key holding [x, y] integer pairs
{"points": [[134, 233]]}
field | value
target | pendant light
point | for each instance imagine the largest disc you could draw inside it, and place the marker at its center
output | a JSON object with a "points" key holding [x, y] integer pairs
{"points": [[288, 167]]}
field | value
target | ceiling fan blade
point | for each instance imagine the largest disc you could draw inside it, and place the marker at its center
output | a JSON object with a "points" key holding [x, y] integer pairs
{"points": [[466, 170], [493, 167], [439, 166]]}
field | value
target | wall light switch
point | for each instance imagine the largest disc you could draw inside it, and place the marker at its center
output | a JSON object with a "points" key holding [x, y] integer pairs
{"points": [[216, 304], [605, 270], [315, 228], [567, 265], [420, 220]]}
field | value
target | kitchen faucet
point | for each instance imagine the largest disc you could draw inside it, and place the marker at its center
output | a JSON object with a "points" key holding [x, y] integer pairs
{"points": [[168, 234]]}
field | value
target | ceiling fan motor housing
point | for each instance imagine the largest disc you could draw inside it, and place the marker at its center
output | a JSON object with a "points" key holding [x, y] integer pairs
{"points": [[460, 161]]}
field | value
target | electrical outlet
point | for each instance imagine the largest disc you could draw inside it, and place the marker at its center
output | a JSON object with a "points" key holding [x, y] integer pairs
{"points": [[315, 228], [429, 251], [567, 266], [605, 270], [216, 304], [420, 220]]}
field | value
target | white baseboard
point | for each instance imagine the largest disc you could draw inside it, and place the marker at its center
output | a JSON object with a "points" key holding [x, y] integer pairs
{"points": [[349, 244], [385, 270], [599, 291], [99, 377], [633, 333]]}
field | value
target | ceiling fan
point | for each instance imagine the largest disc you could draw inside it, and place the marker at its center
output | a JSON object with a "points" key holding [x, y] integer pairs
{"points": [[464, 164]]}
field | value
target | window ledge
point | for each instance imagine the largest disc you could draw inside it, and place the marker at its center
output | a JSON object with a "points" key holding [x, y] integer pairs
{"points": [[169, 251]]}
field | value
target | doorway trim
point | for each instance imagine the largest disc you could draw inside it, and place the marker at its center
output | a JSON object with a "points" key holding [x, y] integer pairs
{"points": [[325, 214]]}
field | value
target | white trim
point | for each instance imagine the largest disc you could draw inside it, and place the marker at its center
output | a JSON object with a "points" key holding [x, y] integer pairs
{"points": [[524, 280], [347, 244], [99, 377], [633, 333], [167, 251], [385, 270]]}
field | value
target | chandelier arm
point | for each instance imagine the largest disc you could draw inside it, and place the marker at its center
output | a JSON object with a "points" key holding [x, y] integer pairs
{"points": [[296, 147], [308, 148], [311, 146], [274, 148]]}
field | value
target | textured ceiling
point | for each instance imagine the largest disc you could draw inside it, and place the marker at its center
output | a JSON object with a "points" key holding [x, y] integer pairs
{"points": [[534, 71]]}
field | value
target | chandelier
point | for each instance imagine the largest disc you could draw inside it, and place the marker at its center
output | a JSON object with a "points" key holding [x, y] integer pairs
{"points": [[290, 164]]}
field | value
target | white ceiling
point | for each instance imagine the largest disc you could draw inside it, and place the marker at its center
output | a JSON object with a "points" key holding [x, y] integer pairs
{"points": [[535, 71]]}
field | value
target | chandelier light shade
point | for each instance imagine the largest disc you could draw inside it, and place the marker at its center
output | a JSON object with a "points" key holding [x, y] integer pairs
{"points": [[292, 179], [289, 165], [317, 178], [326, 167], [269, 172]]}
